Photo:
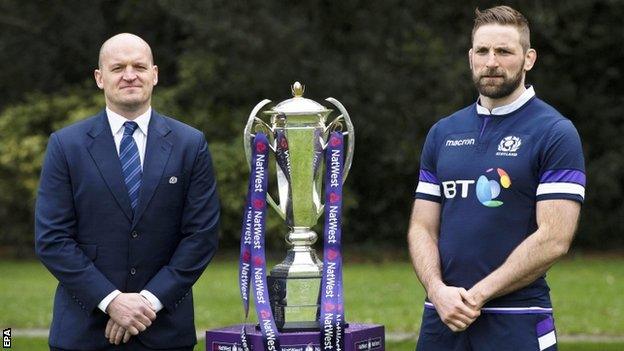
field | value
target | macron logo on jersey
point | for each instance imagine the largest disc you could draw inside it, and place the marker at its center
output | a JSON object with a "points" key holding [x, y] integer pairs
{"points": [[460, 142]]}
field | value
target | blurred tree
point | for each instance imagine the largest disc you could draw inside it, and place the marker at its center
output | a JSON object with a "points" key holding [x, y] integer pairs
{"points": [[46, 45], [49, 45], [397, 66], [24, 131], [580, 73]]}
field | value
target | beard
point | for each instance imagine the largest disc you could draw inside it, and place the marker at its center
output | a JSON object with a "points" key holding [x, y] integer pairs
{"points": [[499, 90]]}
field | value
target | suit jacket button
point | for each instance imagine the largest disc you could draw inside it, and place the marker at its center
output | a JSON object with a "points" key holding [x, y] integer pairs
{"points": [[132, 271], [134, 234]]}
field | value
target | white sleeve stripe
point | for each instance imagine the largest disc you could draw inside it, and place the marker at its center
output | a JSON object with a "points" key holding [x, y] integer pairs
{"points": [[428, 188], [558, 188], [546, 341]]}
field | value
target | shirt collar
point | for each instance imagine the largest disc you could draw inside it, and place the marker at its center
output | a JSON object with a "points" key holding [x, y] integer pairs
{"points": [[509, 108], [116, 120]]}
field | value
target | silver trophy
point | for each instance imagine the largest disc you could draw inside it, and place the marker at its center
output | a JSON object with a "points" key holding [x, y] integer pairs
{"points": [[298, 133]]}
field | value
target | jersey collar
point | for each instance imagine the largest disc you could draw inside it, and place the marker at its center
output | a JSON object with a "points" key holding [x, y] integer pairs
{"points": [[509, 108]]}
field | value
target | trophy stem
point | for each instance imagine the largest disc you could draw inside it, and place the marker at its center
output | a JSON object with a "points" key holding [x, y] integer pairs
{"points": [[294, 284], [301, 236]]}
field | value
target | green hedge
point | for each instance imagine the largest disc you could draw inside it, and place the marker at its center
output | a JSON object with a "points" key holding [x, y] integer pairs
{"points": [[396, 66]]}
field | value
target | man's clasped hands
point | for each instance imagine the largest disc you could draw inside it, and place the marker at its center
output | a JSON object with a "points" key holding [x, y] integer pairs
{"points": [[457, 307], [130, 314]]}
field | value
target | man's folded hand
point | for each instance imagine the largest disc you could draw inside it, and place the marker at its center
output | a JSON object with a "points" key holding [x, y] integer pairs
{"points": [[132, 312]]}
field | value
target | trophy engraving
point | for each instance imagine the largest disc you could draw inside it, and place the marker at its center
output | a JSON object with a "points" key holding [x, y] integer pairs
{"points": [[298, 132]]}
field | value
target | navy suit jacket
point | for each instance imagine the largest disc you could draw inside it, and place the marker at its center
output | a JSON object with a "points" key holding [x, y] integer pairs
{"points": [[88, 237]]}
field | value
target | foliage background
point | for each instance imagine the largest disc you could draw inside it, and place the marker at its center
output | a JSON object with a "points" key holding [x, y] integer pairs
{"points": [[398, 66]]}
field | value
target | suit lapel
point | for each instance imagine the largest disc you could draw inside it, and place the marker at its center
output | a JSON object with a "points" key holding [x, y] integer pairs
{"points": [[104, 154], [157, 153]]}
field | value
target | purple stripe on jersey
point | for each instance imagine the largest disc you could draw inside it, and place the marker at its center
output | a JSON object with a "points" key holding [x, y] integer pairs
{"points": [[428, 177], [485, 122], [506, 310], [546, 326], [563, 176], [522, 311]]}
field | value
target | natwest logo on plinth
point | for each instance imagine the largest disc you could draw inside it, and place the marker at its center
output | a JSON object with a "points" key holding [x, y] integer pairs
{"points": [[220, 346]]}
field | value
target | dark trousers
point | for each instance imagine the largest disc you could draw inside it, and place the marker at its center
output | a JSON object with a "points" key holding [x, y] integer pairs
{"points": [[490, 332], [132, 345]]}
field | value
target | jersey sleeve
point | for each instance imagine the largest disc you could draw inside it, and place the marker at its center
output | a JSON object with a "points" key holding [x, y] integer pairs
{"points": [[428, 185], [562, 169]]}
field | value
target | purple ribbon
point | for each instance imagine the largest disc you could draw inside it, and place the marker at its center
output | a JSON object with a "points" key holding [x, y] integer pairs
{"points": [[282, 156], [332, 303], [244, 267], [252, 263]]}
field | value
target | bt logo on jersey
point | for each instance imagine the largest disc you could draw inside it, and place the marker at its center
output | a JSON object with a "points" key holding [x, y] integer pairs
{"points": [[487, 190], [450, 188]]}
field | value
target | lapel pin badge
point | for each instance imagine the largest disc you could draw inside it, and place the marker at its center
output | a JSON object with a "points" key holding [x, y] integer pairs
{"points": [[173, 180]]}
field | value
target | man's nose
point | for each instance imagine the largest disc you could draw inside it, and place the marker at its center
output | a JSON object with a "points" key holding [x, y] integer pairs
{"points": [[492, 60], [129, 74]]}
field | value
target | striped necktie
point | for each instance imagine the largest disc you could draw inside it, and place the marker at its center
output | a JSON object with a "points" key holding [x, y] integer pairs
{"points": [[130, 163]]}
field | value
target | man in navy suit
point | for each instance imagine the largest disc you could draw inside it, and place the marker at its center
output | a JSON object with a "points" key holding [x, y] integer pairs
{"points": [[127, 215]]}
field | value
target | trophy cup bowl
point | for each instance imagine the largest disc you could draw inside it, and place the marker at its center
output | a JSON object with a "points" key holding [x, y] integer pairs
{"points": [[298, 132]]}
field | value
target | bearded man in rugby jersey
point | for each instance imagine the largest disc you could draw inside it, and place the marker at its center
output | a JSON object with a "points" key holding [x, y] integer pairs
{"points": [[498, 199]]}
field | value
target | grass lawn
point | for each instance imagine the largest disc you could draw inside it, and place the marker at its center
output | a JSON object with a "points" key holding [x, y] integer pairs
{"points": [[40, 344], [587, 296]]}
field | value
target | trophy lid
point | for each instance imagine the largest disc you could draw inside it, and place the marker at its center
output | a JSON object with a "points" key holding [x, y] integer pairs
{"points": [[298, 105]]}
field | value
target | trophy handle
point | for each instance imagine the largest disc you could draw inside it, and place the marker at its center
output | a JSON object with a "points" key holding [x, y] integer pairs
{"points": [[350, 133], [248, 134], [275, 206]]}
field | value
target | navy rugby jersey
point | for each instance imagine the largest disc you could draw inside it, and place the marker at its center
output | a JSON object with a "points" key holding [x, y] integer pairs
{"points": [[488, 170]]}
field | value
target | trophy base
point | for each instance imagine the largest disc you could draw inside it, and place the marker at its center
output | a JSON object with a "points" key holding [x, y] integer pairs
{"points": [[294, 302], [294, 285], [357, 336]]}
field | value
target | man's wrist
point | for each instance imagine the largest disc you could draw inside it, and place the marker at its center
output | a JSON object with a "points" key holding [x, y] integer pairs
{"points": [[103, 305], [153, 300], [480, 294], [433, 287]]}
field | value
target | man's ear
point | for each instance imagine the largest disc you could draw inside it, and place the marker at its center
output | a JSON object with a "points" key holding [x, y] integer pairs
{"points": [[470, 59], [97, 74], [155, 75], [529, 59]]}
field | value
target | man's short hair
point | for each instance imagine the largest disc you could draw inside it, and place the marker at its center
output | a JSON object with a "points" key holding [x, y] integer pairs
{"points": [[506, 16]]}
